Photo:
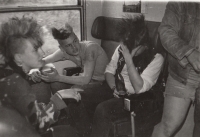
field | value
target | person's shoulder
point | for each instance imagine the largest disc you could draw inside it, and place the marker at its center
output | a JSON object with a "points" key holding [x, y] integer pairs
{"points": [[90, 43], [15, 79], [91, 46]]}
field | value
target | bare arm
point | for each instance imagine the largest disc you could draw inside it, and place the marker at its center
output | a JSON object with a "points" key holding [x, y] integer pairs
{"points": [[84, 78], [56, 56], [110, 80], [135, 78]]}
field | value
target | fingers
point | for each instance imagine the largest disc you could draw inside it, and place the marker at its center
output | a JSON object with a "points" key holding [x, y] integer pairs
{"points": [[134, 51], [116, 94], [44, 77], [78, 96], [78, 89], [34, 76], [70, 93], [53, 70]]}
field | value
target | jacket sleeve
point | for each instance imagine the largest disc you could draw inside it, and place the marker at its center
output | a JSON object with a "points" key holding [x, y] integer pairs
{"points": [[42, 115], [22, 98], [169, 30]]}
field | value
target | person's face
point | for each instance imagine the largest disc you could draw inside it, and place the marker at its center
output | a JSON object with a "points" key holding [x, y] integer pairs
{"points": [[70, 45], [31, 57]]}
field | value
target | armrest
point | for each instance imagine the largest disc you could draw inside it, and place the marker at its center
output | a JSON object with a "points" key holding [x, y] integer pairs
{"points": [[72, 71]]}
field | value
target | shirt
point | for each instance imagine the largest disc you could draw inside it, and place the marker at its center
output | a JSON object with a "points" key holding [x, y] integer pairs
{"points": [[149, 75]]}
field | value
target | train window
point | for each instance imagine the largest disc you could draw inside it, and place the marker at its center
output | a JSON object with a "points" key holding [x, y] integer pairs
{"points": [[54, 13]]}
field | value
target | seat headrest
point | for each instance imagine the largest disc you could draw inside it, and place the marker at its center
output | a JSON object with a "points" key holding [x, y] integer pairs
{"points": [[105, 28]]}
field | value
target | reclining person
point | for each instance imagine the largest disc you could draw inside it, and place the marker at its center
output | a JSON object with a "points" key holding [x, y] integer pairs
{"points": [[21, 47], [133, 69]]}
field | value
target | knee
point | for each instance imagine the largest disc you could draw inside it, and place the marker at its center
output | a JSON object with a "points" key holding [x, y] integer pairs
{"points": [[102, 110], [167, 128]]}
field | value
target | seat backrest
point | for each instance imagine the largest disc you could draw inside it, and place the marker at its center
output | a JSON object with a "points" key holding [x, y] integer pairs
{"points": [[105, 28]]}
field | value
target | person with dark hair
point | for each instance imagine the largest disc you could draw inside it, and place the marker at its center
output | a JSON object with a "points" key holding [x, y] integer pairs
{"points": [[92, 59], [180, 36], [21, 46], [86, 54], [133, 69]]}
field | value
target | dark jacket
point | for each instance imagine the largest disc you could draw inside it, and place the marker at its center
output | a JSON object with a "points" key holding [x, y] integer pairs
{"points": [[18, 93], [180, 33]]}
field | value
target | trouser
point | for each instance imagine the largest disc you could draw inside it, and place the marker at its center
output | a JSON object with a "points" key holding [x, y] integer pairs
{"points": [[196, 132], [60, 131], [106, 113], [178, 98], [82, 113]]}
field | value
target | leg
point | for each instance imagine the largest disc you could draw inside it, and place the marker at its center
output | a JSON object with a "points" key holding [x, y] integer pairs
{"points": [[176, 105], [196, 132], [94, 94], [64, 131], [55, 86], [79, 119], [174, 114], [107, 112]]}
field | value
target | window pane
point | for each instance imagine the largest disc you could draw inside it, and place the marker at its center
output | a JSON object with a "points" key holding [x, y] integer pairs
{"points": [[49, 19], [37, 2]]}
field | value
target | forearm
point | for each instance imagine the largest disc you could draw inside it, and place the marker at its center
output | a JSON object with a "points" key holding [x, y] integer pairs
{"points": [[56, 56], [110, 80], [78, 80], [135, 78]]}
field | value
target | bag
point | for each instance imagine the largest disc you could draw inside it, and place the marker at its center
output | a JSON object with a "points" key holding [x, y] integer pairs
{"points": [[72, 71]]}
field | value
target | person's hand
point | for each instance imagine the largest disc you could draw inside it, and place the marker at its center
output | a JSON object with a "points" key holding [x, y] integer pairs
{"points": [[71, 93], [116, 93], [127, 55], [50, 77], [34, 75], [194, 60]]}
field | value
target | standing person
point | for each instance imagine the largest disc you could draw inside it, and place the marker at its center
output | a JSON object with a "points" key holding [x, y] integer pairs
{"points": [[21, 46], [180, 36], [135, 65]]}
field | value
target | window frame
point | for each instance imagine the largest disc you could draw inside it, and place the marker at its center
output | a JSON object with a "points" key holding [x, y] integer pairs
{"points": [[81, 5]]}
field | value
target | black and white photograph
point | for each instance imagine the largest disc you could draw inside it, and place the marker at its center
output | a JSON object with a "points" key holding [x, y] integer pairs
{"points": [[99, 68]]}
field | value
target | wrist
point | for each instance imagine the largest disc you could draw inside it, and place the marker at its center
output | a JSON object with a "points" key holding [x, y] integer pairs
{"points": [[59, 95], [58, 78], [113, 88]]}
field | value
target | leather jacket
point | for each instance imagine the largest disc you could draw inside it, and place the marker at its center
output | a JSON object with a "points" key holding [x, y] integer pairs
{"points": [[180, 36]]}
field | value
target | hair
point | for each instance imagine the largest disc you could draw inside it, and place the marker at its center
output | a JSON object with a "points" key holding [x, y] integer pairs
{"points": [[132, 31], [60, 34], [15, 31]]}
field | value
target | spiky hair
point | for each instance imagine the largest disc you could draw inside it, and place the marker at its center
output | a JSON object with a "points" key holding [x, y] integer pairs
{"points": [[62, 33], [132, 31], [14, 31]]}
